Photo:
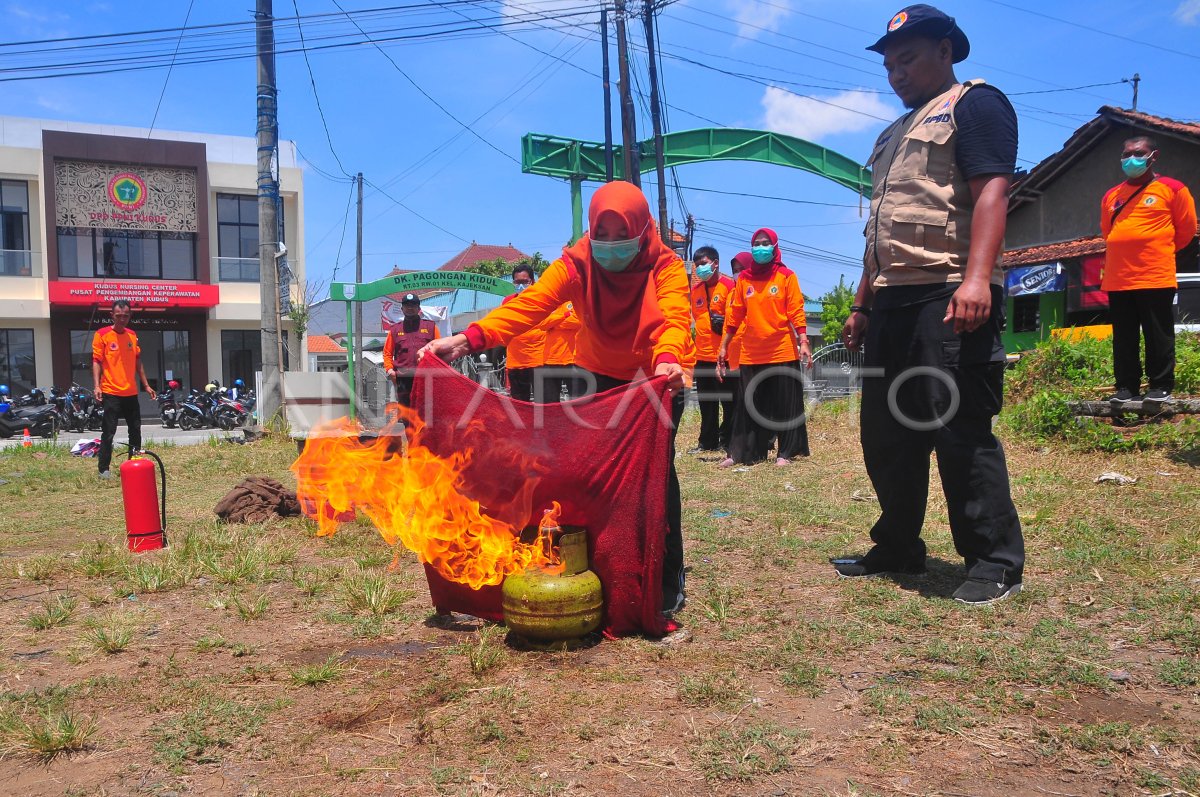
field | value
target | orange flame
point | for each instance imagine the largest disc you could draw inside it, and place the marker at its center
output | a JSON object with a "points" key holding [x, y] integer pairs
{"points": [[412, 497]]}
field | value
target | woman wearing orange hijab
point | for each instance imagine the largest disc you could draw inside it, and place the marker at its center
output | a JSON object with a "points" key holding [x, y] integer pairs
{"points": [[631, 293]]}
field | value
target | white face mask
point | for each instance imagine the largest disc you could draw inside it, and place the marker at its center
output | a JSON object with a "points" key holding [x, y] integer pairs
{"points": [[520, 286]]}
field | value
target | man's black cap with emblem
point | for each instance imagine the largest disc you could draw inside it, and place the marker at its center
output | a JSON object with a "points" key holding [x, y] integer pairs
{"points": [[410, 298], [925, 20]]}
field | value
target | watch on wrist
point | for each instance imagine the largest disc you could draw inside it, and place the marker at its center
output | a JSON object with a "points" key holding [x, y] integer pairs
{"points": [[858, 308]]}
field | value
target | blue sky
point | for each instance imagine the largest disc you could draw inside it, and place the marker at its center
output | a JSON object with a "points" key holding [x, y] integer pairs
{"points": [[812, 78]]}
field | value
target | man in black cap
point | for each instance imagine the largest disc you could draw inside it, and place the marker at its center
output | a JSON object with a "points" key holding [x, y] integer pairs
{"points": [[403, 342], [929, 310]]}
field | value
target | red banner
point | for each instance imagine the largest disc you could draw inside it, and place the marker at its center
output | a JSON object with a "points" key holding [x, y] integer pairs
{"points": [[139, 293]]}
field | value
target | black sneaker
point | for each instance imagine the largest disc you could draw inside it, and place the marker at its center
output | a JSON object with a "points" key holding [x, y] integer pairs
{"points": [[1155, 394], [981, 593], [874, 566], [1122, 395]]}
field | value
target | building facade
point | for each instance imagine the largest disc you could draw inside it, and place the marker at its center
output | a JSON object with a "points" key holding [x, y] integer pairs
{"points": [[169, 221]]}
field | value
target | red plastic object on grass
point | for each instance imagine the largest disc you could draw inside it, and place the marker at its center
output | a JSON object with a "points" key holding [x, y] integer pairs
{"points": [[139, 490]]}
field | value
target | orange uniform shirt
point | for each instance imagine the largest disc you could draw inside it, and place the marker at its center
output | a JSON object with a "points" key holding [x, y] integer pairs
{"points": [[765, 311], [562, 327], [1140, 246], [556, 286], [528, 349], [118, 355], [706, 300]]}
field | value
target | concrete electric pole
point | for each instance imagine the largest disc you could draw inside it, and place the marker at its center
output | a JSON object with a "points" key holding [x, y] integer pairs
{"points": [[267, 136]]}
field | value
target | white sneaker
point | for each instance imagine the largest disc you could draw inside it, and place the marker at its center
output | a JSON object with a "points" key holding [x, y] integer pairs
{"points": [[104, 474]]}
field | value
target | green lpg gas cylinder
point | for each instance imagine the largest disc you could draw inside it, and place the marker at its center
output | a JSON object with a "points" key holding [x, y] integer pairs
{"points": [[546, 606]]}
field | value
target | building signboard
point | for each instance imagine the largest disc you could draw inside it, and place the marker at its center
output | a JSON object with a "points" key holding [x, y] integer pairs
{"points": [[118, 196], [142, 293]]}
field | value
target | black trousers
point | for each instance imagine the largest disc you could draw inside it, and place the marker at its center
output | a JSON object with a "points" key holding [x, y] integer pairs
{"points": [[404, 386], [716, 407], [771, 405], [520, 383], [115, 408], [938, 393], [1151, 312], [673, 569], [554, 379]]}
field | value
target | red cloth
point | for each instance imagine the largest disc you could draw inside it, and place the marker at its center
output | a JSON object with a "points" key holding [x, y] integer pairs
{"points": [[605, 460]]}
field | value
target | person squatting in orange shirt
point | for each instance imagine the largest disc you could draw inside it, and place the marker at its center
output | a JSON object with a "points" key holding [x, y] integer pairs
{"points": [[1145, 221], [526, 351], [767, 301], [116, 369], [559, 376], [710, 294], [631, 293]]}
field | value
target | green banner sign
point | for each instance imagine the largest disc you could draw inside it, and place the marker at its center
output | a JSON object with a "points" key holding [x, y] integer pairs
{"points": [[419, 281]]}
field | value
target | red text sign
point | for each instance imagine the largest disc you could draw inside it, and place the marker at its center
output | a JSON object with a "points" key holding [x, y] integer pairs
{"points": [[139, 293]]}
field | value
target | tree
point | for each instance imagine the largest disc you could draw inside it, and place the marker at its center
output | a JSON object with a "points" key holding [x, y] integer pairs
{"points": [[836, 310]]}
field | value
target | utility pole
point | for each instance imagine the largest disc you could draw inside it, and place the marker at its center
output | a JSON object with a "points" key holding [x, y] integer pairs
{"points": [[631, 157], [660, 172], [608, 144], [358, 306], [267, 136], [691, 232], [1135, 80]]}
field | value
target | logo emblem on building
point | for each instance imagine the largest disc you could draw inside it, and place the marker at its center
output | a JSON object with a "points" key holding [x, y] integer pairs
{"points": [[127, 191]]}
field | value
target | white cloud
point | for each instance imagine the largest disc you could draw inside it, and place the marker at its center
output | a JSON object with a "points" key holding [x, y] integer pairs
{"points": [[751, 15], [1188, 12], [814, 118]]}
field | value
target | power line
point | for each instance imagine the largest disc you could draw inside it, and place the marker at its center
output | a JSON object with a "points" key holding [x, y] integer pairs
{"points": [[312, 80], [170, 68], [345, 222], [1055, 91], [415, 213]]}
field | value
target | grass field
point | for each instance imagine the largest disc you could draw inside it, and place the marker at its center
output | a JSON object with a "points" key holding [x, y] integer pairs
{"points": [[259, 659]]}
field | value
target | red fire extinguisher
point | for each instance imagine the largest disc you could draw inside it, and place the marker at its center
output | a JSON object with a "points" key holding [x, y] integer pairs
{"points": [[143, 520]]}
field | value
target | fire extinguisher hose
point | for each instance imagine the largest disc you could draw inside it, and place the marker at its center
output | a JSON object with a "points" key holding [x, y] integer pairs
{"points": [[162, 472]]}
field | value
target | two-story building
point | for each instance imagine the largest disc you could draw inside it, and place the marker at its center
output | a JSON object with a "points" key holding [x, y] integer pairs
{"points": [[169, 220]]}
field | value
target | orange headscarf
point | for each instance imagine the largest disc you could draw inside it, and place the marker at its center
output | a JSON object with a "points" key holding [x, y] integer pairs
{"points": [[621, 309]]}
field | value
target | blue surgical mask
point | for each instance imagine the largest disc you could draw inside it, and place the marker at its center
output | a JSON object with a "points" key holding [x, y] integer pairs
{"points": [[615, 255], [762, 254], [704, 272], [1134, 167]]}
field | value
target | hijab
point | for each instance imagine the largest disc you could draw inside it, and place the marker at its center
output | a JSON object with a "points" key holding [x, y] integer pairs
{"points": [[745, 260], [761, 270], [622, 307]]}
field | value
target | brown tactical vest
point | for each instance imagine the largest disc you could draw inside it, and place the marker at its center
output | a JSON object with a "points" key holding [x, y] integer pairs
{"points": [[919, 230], [405, 345]]}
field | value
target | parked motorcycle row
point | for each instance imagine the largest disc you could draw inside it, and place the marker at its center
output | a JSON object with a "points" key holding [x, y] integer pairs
{"points": [[76, 409]]}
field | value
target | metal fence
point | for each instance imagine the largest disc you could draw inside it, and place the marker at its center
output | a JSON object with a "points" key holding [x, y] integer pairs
{"points": [[837, 372]]}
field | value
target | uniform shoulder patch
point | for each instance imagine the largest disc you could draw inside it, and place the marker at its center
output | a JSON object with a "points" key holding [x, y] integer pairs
{"points": [[1172, 183]]}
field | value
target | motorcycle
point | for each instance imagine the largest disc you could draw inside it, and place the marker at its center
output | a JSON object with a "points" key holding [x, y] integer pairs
{"points": [[195, 412], [168, 406], [228, 414], [39, 420], [75, 408]]}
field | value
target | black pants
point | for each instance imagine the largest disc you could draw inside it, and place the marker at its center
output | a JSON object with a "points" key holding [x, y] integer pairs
{"points": [[115, 408], [716, 407], [520, 383], [951, 404], [771, 405], [404, 386], [554, 379], [673, 570], [1152, 313]]}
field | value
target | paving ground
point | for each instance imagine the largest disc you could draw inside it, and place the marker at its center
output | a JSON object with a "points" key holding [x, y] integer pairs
{"points": [[151, 433]]}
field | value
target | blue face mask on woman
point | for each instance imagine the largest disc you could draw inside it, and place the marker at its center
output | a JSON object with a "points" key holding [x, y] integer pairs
{"points": [[1135, 167], [704, 272], [763, 254], [616, 255]]}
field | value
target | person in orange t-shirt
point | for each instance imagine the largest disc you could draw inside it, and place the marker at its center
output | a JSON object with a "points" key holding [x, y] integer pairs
{"points": [[631, 292], [116, 370], [767, 301], [1145, 221], [710, 294], [562, 327], [526, 351]]}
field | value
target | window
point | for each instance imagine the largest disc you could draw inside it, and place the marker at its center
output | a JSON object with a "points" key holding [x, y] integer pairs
{"points": [[1026, 313], [15, 258], [241, 355], [134, 254], [237, 237], [16, 360]]}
